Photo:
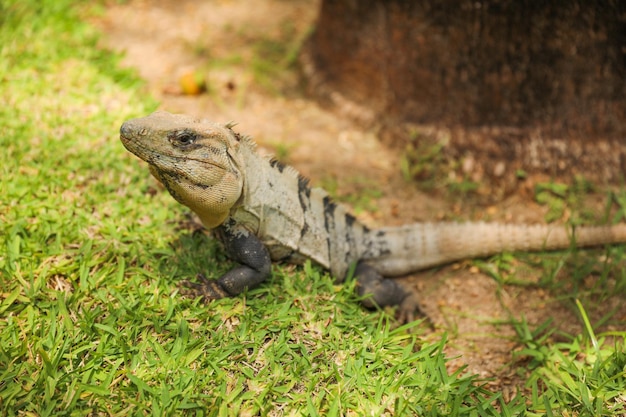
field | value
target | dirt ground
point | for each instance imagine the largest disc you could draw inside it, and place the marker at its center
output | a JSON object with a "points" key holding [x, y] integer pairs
{"points": [[165, 39]]}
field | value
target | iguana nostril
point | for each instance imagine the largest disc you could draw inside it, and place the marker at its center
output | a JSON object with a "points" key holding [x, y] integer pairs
{"points": [[126, 129]]}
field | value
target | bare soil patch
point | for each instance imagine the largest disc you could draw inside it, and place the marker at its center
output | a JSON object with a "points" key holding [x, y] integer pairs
{"points": [[165, 39]]}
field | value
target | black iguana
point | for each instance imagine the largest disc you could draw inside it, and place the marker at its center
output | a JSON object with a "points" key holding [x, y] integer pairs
{"points": [[263, 211]]}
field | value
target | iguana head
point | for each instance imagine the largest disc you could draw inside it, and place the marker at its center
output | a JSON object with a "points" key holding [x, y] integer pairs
{"points": [[197, 161]]}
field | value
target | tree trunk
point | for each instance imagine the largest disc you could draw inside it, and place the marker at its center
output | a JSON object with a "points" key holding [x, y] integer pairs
{"points": [[551, 69]]}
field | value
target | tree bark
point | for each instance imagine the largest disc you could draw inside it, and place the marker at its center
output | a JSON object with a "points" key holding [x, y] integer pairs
{"points": [[556, 69]]}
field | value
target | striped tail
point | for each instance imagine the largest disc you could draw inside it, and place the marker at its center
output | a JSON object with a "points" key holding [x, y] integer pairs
{"points": [[401, 250]]}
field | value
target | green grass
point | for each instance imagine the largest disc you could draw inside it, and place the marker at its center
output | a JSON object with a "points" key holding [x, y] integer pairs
{"points": [[362, 197], [423, 162], [90, 255]]}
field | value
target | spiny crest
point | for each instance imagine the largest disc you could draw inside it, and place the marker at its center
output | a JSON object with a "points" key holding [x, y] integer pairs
{"points": [[243, 139], [283, 168], [273, 162]]}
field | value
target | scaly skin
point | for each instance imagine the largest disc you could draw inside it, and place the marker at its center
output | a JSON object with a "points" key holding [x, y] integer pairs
{"points": [[263, 211]]}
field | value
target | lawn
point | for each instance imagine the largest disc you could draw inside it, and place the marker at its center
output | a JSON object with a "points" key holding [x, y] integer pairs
{"points": [[91, 322]]}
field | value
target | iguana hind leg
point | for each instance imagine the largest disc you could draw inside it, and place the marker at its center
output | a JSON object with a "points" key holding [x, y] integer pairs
{"points": [[255, 266], [382, 292]]}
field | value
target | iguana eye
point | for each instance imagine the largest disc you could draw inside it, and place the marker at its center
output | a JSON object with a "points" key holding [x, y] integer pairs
{"points": [[182, 138]]}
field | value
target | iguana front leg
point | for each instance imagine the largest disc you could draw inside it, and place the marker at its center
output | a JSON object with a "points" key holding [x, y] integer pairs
{"points": [[255, 265], [382, 292]]}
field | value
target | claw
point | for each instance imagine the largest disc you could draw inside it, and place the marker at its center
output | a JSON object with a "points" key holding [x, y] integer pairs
{"points": [[207, 289], [407, 309]]}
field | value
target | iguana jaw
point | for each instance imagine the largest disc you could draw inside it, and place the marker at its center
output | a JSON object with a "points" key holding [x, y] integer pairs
{"points": [[197, 161]]}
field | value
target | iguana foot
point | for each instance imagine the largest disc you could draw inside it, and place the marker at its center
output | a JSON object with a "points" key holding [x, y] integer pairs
{"points": [[207, 289], [382, 292], [255, 266], [407, 309]]}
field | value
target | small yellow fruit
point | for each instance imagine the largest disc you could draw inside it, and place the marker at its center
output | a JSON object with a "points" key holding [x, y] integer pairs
{"points": [[192, 83]]}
